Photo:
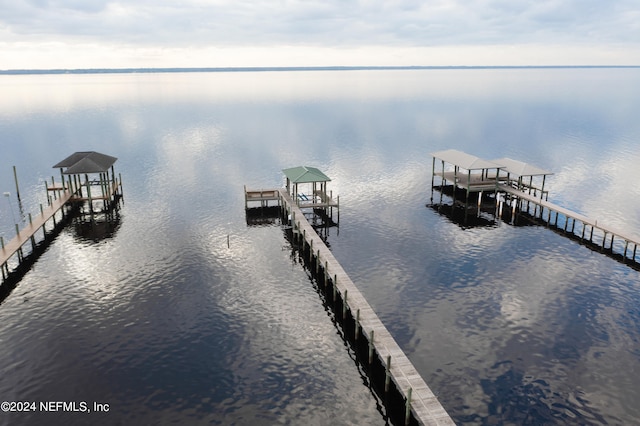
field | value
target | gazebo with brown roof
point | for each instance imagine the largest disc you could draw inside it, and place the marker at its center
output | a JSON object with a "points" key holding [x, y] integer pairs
{"points": [[90, 163]]}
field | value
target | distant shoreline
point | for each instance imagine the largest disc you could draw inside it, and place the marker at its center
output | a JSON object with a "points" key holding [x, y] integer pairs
{"points": [[272, 69]]}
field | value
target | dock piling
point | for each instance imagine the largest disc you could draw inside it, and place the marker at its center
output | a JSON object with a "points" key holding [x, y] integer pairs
{"points": [[15, 177], [407, 415], [344, 305], [387, 378]]}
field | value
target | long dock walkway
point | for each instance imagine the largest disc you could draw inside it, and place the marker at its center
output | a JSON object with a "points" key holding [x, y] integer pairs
{"points": [[419, 398], [28, 232], [589, 225]]}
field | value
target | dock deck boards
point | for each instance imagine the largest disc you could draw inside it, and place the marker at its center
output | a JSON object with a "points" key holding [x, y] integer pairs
{"points": [[426, 407], [571, 214], [29, 231]]}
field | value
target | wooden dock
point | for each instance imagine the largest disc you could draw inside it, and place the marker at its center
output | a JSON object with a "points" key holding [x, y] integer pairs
{"points": [[70, 190], [549, 213], [507, 178], [420, 403], [263, 196], [28, 233]]}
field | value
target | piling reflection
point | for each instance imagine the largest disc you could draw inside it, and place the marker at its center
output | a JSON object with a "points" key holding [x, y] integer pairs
{"points": [[97, 227]]}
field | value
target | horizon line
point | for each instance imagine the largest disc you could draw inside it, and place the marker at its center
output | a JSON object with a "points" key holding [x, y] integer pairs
{"points": [[26, 71]]}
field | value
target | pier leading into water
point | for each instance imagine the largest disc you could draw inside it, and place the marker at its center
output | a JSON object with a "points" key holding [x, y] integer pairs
{"points": [[383, 354], [515, 188], [73, 190]]}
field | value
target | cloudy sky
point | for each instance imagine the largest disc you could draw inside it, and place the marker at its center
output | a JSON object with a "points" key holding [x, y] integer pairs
{"points": [[220, 33]]}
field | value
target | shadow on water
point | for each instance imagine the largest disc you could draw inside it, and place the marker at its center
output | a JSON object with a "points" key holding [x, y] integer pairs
{"points": [[463, 217], [98, 226], [267, 216], [94, 227], [469, 213], [523, 218], [263, 216]]}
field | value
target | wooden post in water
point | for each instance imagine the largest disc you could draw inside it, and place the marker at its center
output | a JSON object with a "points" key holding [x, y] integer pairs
{"points": [[15, 177], [326, 273], [44, 224], [53, 185], [407, 412], [371, 346], [387, 378], [626, 246], [433, 173], [344, 305], [335, 287]]}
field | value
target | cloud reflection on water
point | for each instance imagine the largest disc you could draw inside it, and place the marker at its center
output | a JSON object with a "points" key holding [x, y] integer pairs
{"points": [[493, 318]]}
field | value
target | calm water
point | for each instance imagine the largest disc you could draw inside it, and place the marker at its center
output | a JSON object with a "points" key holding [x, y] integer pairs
{"points": [[167, 323]]}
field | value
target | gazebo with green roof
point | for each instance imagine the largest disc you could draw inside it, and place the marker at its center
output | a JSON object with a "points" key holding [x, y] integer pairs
{"points": [[308, 187]]}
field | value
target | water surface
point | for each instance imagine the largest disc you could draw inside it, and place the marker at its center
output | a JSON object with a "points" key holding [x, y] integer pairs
{"points": [[167, 322]]}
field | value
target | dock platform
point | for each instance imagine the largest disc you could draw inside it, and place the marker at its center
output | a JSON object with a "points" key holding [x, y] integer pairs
{"points": [[263, 196]]}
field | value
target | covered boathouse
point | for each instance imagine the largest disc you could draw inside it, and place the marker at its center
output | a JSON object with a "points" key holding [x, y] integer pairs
{"points": [[464, 171], [472, 174], [103, 185], [308, 187]]}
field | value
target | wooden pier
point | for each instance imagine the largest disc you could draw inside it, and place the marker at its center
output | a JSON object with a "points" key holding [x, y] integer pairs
{"points": [[421, 405], [511, 183], [28, 233], [74, 191], [589, 230]]}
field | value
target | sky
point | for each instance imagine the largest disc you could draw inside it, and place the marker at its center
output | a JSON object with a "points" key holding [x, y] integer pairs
{"points": [[45, 34]]}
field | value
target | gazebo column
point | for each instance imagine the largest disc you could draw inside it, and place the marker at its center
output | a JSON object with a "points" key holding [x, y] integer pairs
{"points": [[62, 178], [103, 189], [76, 183], [113, 180], [88, 184]]}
